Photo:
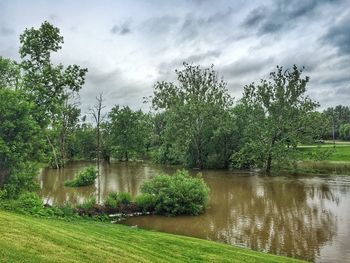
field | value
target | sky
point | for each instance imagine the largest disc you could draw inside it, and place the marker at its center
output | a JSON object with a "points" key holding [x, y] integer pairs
{"points": [[128, 46]]}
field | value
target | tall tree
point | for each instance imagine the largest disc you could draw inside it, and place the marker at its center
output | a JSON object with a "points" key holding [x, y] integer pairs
{"points": [[191, 110], [47, 85], [130, 132], [277, 115]]}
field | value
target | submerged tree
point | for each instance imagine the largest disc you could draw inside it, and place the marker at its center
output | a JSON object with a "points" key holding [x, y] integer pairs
{"points": [[192, 111], [129, 132], [278, 116]]}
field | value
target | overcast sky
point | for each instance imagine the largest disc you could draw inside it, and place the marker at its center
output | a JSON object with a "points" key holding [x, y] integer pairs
{"points": [[129, 45]]}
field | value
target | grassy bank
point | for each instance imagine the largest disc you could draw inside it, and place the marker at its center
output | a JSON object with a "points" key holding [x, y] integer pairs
{"points": [[29, 239], [337, 159]]}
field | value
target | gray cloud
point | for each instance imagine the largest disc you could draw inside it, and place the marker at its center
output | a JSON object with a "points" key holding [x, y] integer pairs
{"points": [[339, 35], [284, 14], [5, 31], [122, 29], [243, 39]]}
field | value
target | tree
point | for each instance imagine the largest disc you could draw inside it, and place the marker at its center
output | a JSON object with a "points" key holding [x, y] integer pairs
{"points": [[344, 131], [130, 132], [10, 75], [277, 116], [49, 86], [336, 117], [96, 113], [192, 112], [20, 140]]}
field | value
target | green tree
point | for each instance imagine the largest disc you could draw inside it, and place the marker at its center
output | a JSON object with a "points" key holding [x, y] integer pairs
{"points": [[277, 116], [20, 140], [344, 131], [50, 86], [10, 74], [193, 109], [336, 117], [83, 142], [130, 132]]}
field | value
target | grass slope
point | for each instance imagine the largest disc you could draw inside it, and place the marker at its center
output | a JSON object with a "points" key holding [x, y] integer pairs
{"points": [[30, 239]]}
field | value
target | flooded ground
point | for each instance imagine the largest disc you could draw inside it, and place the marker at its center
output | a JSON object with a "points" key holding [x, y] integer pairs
{"points": [[307, 217]]}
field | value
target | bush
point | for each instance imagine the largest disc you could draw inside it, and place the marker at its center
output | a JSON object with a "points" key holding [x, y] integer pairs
{"points": [[145, 203], [29, 202], [88, 204], [21, 180], [83, 178], [177, 194], [115, 199]]}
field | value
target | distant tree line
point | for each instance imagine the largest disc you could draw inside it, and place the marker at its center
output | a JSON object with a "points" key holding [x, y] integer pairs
{"points": [[193, 122]]}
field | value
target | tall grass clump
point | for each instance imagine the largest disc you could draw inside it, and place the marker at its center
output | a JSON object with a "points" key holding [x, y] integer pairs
{"points": [[84, 177], [114, 199]]}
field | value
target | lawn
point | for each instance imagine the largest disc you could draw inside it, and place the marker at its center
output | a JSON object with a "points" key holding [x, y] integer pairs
{"points": [[30, 239], [340, 153]]}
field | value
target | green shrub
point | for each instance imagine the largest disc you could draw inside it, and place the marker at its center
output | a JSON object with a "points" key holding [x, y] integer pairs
{"points": [[21, 180], [83, 178], [29, 202], [88, 204], [145, 202], [115, 199], [67, 209], [177, 194]]}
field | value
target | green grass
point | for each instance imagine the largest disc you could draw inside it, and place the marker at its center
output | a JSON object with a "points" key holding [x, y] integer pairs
{"points": [[341, 153], [338, 161], [30, 239]]}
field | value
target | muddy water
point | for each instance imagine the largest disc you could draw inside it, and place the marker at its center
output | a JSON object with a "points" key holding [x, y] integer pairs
{"points": [[304, 217]]}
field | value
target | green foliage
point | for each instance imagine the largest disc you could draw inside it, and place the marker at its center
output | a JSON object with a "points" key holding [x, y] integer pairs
{"points": [[83, 142], [29, 202], [344, 131], [88, 204], [20, 142], [115, 199], [10, 76], [177, 194], [52, 88], [84, 177], [278, 116], [20, 180], [193, 111], [145, 202], [336, 117], [129, 132]]}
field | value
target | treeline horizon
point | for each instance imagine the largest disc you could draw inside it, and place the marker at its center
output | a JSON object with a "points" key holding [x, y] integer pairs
{"points": [[194, 122]]}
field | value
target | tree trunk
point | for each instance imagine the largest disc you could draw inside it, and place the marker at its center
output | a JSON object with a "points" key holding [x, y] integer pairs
{"points": [[269, 157], [53, 152], [126, 156], [269, 163]]}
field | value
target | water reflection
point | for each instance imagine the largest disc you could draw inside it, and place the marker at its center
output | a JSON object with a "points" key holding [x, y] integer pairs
{"points": [[300, 217]]}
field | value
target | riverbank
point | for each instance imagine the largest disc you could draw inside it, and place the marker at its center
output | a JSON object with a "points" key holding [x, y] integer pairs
{"points": [[334, 158], [30, 239]]}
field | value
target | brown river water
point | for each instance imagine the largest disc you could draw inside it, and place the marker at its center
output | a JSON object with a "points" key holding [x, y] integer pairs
{"points": [[307, 217]]}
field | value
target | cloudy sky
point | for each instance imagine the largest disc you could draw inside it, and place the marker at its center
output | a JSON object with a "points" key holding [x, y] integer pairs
{"points": [[129, 45]]}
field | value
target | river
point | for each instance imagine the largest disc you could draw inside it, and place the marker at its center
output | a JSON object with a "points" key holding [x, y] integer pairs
{"points": [[307, 217]]}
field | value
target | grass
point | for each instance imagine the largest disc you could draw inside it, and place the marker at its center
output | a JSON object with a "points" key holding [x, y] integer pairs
{"points": [[30, 239], [338, 161]]}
